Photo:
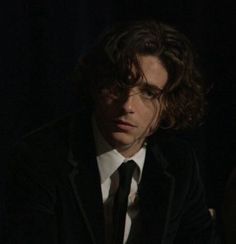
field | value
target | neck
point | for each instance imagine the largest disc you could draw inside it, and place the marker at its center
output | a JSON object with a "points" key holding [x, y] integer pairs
{"points": [[129, 150]]}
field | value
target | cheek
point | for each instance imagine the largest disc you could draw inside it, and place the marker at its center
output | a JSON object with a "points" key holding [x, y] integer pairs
{"points": [[152, 126], [153, 121], [100, 103], [104, 107]]}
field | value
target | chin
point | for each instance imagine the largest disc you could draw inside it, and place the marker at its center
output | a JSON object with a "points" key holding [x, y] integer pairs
{"points": [[122, 140]]}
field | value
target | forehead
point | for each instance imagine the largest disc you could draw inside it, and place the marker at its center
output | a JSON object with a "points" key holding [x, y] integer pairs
{"points": [[154, 72]]}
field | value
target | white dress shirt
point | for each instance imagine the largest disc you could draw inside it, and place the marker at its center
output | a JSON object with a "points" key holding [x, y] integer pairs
{"points": [[109, 160]]}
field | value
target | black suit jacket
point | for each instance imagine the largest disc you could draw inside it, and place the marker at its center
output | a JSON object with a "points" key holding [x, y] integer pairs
{"points": [[54, 193]]}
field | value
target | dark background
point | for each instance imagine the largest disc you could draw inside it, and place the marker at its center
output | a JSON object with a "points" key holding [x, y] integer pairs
{"points": [[43, 40]]}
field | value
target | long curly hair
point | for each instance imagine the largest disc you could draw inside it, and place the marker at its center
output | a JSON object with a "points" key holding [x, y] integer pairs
{"points": [[111, 59]]}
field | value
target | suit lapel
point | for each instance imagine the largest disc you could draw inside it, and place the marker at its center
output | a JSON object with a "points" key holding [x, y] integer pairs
{"points": [[85, 179], [156, 193], [155, 190]]}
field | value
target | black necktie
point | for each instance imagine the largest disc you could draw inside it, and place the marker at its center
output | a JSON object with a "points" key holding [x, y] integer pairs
{"points": [[121, 200]]}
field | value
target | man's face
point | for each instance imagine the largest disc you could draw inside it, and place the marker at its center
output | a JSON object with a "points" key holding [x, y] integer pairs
{"points": [[125, 119]]}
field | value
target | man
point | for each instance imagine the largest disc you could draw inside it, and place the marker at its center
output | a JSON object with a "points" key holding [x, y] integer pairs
{"points": [[67, 184]]}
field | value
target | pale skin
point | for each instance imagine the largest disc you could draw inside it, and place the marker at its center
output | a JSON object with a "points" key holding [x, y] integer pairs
{"points": [[125, 122]]}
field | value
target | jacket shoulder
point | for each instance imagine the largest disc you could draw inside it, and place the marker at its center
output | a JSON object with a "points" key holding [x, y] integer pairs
{"points": [[176, 152], [42, 152]]}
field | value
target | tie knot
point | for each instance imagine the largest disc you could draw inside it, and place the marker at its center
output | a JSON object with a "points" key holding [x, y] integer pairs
{"points": [[126, 171]]}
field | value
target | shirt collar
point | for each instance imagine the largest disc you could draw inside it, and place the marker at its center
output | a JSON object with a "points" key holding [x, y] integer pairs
{"points": [[109, 159]]}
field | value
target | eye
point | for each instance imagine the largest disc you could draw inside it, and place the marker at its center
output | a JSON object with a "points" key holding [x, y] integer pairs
{"points": [[151, 93], [112, 91]]}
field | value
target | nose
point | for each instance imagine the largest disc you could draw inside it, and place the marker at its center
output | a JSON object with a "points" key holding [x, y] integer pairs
{"points": [[129, 101]]}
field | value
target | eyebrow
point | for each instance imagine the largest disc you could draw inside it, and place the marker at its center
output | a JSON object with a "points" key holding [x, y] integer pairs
{"points": [[145, 83]]}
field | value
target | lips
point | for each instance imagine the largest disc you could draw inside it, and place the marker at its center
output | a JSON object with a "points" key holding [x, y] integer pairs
{"points": [[124, 125]]}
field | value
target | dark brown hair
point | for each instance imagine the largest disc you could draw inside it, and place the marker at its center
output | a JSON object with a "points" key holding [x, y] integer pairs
{"points": [[111, 59]]}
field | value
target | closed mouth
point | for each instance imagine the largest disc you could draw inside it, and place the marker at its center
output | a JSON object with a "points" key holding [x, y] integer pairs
{"points": [[124, 124]]}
